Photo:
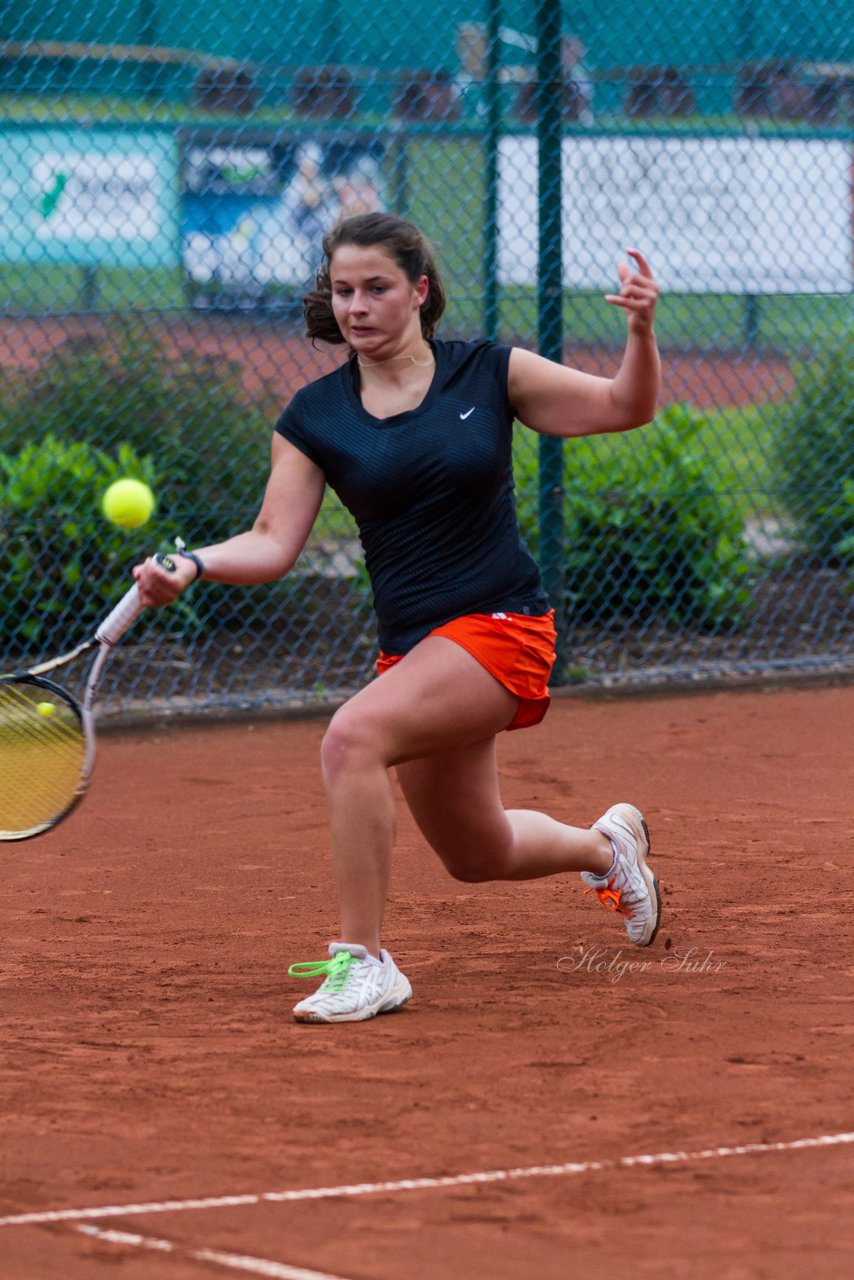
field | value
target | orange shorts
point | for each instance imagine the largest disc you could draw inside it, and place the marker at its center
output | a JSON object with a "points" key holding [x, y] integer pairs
{"points": [[517, 650]]}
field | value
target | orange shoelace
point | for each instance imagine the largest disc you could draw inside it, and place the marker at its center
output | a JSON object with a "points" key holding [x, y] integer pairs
{"points": [[611, 899]]}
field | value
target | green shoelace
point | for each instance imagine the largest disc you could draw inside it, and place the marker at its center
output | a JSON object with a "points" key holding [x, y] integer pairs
{"points": [[334, 970]]}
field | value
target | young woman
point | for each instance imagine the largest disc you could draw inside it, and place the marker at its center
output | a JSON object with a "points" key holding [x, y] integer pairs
{"points": [[414, 434]]}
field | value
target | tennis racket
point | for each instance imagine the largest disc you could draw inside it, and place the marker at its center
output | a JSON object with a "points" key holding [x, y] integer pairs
{"points": [[47, 737]]}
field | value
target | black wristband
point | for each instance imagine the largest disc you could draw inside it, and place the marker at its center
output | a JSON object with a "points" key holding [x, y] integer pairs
{"points": [[197, 561]]}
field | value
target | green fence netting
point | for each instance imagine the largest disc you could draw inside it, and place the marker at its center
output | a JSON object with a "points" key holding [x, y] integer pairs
{"points": [[166, 174]]}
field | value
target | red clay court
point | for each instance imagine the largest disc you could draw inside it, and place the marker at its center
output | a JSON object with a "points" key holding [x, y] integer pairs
{"points": [[551, 1103], [272, 359]]}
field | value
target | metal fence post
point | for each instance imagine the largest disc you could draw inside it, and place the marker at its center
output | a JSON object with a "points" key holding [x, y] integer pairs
{"points": [[492, 142], [549, 301]]}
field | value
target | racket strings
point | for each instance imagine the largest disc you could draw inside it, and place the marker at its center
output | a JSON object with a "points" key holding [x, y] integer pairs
{"points": [[42, 753], [35, 714]]}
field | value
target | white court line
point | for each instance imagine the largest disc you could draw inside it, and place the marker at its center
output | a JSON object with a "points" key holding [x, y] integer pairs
{"points": [[236, 1261], [422, 1184]]}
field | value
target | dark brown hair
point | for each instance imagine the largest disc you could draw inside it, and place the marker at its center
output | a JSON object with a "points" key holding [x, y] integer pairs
{"points": [[402, 241]]}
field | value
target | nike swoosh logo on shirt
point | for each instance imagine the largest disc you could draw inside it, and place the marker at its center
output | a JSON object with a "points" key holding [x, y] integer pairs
{"points": [[470, 412]]}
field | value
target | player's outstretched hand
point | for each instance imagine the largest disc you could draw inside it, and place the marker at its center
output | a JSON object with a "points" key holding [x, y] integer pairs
{"points": [[158, 585], [638, 293]]}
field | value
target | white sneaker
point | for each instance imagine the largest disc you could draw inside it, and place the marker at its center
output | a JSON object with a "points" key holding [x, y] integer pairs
{"points": [[629, 887], [356, 986]]}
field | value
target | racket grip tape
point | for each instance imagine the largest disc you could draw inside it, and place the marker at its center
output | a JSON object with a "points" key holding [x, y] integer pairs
{"points": [[116, 623], [126, 611]]}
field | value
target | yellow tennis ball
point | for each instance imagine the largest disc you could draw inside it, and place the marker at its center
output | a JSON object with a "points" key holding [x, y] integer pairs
{"points": [[45, 708], [128, 503]]}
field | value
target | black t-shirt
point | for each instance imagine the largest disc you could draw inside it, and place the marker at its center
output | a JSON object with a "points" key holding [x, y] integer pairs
{"points": [[431, 491]]}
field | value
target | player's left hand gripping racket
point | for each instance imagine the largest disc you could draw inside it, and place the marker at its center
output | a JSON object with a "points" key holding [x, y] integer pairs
{"points": [[47, 738]]}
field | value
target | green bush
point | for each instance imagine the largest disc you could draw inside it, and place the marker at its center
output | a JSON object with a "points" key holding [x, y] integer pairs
{"points": [[655, 536], [94, 410], [209, 443], [845, 546], [60, 559], [815, 452]]}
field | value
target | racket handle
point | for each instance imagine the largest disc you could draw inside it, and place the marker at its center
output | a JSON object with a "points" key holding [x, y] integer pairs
{"points": [[128, 609], [116, 623]]}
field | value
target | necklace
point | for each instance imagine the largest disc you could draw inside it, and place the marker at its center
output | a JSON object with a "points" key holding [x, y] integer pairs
{"points": [[376, 364]]}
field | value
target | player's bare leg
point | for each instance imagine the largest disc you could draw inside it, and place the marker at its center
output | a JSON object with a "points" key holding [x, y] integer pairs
{"points": [[477, 838], [436, 696], [434, 716], [416, 716]]}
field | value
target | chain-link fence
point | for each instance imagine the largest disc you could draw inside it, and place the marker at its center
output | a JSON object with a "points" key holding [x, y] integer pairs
{"points": [[166, 173]]}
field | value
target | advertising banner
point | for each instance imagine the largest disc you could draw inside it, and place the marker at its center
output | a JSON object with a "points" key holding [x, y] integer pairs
{"points": [[716, 215], [89, 197]]}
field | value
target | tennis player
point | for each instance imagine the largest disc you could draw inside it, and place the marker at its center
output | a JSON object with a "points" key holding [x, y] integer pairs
{"points": [[414, 435]]}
